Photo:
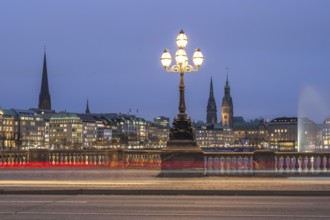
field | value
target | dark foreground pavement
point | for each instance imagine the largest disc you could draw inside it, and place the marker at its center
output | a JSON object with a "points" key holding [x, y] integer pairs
{"points": [[99, 207], [146, 182]]}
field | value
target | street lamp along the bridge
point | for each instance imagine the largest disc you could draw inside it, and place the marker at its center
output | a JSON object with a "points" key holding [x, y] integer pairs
{"points": [[181, 156], [181, 57]]}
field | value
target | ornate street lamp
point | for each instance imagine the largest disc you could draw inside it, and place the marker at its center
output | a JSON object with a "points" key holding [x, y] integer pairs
{"points": [[181, 156], [182, 125]]}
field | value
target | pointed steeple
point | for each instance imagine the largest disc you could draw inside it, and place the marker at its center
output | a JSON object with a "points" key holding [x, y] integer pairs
{"points": [[87, 111], [227, 111], [44, 96], [211, 116], [227, 87], [211, 89]]}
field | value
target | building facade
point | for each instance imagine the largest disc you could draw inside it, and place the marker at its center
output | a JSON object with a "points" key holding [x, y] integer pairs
{"points": [[252, 134], [214, 136], [33, 130], [128, 131], [89, 130], [8, 130], [65, 131], [326, 134], [162, 121], [158, 135], [283, 133]]}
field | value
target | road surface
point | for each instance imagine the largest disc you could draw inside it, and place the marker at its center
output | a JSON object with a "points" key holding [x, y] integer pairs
{"points": [[140, 179], [81, 207]]}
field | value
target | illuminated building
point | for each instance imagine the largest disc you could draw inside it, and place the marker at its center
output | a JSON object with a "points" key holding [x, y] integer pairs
{"points": [[89, 130], [286, 133], [158, 135], [213, 135], [162, 121], [326, 134], [65, 131], [33, 130], [8, 129], [251, 134], [128, 131]]}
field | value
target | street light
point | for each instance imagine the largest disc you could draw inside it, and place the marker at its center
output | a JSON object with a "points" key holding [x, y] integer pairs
{"points": [[181, 152], [182, 64]]}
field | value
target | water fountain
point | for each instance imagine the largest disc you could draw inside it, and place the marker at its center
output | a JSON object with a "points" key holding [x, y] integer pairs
{"points": [[311, 105]]}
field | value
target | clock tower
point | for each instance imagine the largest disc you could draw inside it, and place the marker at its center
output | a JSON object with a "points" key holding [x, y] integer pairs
{"points": [[227, 110]]}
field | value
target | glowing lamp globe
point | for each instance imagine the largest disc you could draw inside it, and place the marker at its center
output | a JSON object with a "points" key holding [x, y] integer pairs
{"points": [[181, 40], [166, 59], [181, 57], [198, 58]]}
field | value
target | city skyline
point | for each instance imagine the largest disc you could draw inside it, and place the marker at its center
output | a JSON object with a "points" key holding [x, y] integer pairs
{"points": [[276, 53]]}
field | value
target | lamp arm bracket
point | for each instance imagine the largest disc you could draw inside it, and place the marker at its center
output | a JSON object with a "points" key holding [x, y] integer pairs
{"points": [[178, 69]]}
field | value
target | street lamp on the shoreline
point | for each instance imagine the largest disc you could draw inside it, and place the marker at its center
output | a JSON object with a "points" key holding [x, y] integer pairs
{"points": [[181, 156]]}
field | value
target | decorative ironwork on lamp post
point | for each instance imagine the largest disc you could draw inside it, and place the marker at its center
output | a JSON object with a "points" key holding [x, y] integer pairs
{"points": [[182, 128]]}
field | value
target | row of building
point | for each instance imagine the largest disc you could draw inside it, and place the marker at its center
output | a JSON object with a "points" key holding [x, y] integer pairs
{"points": [[44, 128], [285, 133], [26, 129], [280, 134]]}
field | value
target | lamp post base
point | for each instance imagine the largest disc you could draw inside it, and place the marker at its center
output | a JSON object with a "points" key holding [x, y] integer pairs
{"points": [[182, 158]]}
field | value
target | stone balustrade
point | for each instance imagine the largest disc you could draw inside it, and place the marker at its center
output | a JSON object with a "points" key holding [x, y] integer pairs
{"points": [[142, 159], [215, 163], [14, 158], [228, 163], [81, 158], [293, 163]]}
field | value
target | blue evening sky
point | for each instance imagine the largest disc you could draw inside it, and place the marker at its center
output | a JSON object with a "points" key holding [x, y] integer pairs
{"points": [[278, 54]]}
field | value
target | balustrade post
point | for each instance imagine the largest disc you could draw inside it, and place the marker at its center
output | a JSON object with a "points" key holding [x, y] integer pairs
{"points": [[293, 162], [39, 156], [239, 165], [263, 162], [325, 164]]}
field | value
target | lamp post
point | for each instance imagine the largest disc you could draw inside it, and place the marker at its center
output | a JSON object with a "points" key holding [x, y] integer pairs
{"points": [[182, 64], [181, 151], [182, 125]]}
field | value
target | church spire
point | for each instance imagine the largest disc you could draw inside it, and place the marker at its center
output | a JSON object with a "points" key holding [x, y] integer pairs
{"points": [[227, 87], [211, 89], [44, 96], [227, 83], [211, 116], [227, 111], [87, 111]]}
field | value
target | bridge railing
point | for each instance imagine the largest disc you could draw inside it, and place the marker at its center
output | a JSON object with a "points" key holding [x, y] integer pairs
{"points": [[81, 158], [228, 163], [293, 163], [14, 158], [142, 158], [215, 163]]}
